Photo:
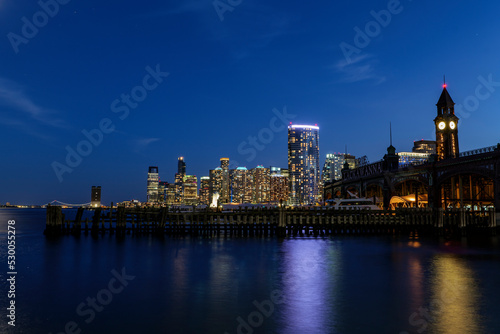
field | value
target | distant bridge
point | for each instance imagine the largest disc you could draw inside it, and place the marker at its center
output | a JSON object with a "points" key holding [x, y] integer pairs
{"points": [[56, 202]]}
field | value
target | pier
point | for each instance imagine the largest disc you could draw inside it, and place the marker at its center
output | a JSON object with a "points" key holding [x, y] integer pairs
{"points": [[283, 222]]}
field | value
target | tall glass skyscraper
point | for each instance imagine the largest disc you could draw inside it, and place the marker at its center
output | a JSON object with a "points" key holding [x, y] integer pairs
{"points": [[225, 193], [332, 169], [303, 164], [153, 179]]}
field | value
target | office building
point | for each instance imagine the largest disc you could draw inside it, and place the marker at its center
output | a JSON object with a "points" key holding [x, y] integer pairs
{"points": [[204, 192], [152, 188], [412, 158], [424, 146], [170, 192], [179, 179], [190, 190], [332, 169], [162, 187], [261, 184], [215, 186], [226, 182], [241, 185]]}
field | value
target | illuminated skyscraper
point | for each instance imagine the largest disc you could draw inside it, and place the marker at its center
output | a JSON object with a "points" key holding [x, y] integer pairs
{"points": [[170, 194], [204, 193], [190, 190], [261, 184], [162, 187], [152, 193], [181, 166], [179, 180], [332, 169], [215, 187], [241, 185], [303, 164], [226, 182]]}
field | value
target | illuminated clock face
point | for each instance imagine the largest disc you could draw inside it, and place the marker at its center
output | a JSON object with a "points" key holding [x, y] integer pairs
{"points": [[452, 125], [441, 125]]}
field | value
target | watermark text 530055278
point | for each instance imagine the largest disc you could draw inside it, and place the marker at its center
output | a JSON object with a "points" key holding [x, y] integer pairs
{"points": [[11, 273]]}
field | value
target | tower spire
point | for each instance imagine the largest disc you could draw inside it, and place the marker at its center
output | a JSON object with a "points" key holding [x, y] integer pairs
{"points": [[446, 126]]}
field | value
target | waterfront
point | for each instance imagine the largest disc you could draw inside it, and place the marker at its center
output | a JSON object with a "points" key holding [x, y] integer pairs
{"points": [[293, 285]]}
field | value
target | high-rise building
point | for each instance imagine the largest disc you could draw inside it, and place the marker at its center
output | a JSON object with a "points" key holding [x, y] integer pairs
{"points": [[446, 123], [215, 188], [261, 184], [332, 169], [162, 187], [279, 189], [153, 179], [190, 190], [241, 185], [179, 179], [95, 197], [204, 192], [170, 192], [226, 182], [303, 164], [424, 146], [181, 166]]}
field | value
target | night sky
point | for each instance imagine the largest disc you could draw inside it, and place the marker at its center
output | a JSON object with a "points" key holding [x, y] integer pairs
{"points": [[207, 79]]}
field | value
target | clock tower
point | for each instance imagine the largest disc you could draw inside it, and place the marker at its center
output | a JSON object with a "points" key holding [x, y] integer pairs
{"points": [[446, 124]]}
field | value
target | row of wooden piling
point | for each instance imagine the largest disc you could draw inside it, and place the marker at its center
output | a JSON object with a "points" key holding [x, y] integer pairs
{"points": [[272, 221]]}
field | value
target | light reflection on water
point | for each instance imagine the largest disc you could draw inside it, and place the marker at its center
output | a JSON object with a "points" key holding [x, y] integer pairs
{"points": [[455, 300], [201, 285], [309, 281]]}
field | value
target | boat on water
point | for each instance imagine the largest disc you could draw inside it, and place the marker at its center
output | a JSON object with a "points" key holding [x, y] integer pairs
{"points": [[352, 204]]}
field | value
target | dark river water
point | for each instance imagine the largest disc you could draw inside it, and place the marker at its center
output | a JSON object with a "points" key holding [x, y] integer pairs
{"points": [[148, 284]]}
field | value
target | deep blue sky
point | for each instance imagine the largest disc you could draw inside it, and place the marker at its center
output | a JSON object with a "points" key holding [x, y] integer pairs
{"points": [[225, 78]]}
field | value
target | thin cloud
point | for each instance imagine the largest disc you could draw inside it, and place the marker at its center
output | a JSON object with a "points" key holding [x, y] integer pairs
{"points": [[143, 143], [146, 141], [361, 68], [13, 97]]}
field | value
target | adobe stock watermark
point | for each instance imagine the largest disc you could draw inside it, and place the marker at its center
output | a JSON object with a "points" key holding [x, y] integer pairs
{"points": [[30, 28], [87, 310], [483, 91], [252, 144], [120, 106], [372, 29], [222, 6]]}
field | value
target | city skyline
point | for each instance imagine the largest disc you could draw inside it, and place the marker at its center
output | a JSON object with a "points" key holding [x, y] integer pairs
{"points": [[143, 92]]}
